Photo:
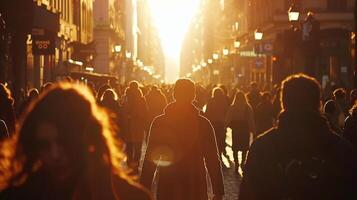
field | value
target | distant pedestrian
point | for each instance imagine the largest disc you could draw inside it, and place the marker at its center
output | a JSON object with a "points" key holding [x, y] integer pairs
{"points": [[156, 103], [301, 158], [240, 118], [181, 146], [136, 115], [332, 114], [216, 111], [253, 95], [350, 129], [264, 114]]}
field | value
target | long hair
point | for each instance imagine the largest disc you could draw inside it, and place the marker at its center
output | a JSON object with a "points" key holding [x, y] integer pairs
{"points": [[239, 99], [85, 134]]}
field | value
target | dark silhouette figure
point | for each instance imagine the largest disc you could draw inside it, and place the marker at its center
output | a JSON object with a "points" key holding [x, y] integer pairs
{"points": [[216, 112], [350, 130], [180, 143], [253, 95], [240, 119], [109, 101], [31, 96], [7, 112], [301, 158], [156, 103], [332, 114], [340, 97], [65, 149], [135, 113], [264, 114]]}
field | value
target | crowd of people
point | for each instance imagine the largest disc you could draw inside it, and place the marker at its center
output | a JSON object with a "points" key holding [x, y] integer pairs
{"points": [[72, 140]]}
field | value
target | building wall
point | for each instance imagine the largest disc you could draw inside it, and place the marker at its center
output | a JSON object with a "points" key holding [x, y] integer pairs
{"points": [[108, 32]]}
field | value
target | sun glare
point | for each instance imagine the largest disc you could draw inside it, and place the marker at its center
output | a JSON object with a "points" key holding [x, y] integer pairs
{"points": [[172, 18]]}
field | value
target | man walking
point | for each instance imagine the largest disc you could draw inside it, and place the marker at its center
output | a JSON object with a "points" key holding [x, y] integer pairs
{"points": [[301, 158], [181, 143]]}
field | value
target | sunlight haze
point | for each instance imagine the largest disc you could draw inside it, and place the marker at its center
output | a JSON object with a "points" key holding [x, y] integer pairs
{"points": [[172, 18]]}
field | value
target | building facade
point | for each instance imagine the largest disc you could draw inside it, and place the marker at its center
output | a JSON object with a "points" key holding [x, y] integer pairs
{"points": [[286, 49]]}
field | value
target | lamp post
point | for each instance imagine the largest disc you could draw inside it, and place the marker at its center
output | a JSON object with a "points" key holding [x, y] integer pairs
{"points": [[293, 13], [258, 34]]}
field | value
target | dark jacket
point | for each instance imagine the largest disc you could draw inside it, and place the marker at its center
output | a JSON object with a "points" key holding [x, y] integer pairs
{"points": [[299, 136], [350, 130], [180, 143]]}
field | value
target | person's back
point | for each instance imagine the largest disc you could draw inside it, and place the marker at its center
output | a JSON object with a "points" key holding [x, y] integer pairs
{"points": [[302, 158], [156, 102], [350, 129], [180, 143]]}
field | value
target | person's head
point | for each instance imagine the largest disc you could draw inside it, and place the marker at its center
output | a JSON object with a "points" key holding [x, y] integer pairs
{"points": [[339, 94], [301, 93], [184, 90], [109, 94], [217, 93], [32, 94], [134, 85], [330, 107], [254, 86], [101, 90], [64, 135], [239, 99], [154, 88], [266, 96]]}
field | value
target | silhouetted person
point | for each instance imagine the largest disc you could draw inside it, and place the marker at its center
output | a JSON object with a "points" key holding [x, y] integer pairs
{"points": [[32, 95], [109, 100], [216, 111], [353, 97], [264, 114], [7, 112], [332, 112], [253, 95], [339, 95], [180, 143], [65, 149], [240, 119], [301, 158], [156, 103], [350, 130], [135, 113]]}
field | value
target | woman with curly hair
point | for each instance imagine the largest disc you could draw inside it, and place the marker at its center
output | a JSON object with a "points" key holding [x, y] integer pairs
{"points": [[65, 149]]}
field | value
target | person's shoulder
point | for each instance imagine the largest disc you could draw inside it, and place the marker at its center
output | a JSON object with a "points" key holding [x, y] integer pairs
{"points": [[265, 140], [126, 189]]}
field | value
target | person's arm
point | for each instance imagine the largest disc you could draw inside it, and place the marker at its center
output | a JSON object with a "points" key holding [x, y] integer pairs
{"points": [[228, 119], [251, 121], [248, 188], [212, 160], [149, 165]]}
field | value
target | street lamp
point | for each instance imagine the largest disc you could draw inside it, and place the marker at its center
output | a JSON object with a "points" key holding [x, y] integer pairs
{"points": [[128, 54], [210, 61], [117, 48], [236, 44], [225, 52], [215, 56], [258, 34], [293, 13]]}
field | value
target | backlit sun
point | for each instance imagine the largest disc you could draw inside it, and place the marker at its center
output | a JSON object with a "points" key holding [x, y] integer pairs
{"points": [[172, 19]]}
